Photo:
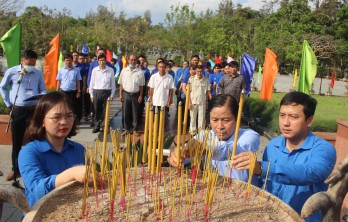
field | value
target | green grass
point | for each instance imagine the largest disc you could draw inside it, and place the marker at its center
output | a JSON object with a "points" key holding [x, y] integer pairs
{"points": [[329, 109]]}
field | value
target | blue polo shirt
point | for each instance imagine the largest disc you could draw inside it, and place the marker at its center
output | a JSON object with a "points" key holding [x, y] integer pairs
{"points": [[68, 78], [39, 164], [295, 176], [146, 72], [32, 84]]}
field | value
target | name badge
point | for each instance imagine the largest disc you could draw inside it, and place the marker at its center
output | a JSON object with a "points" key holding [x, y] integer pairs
{"points": [[28, 92]]}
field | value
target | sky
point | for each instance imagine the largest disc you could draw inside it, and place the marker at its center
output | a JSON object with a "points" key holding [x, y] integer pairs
{"points": [[158, 8]]}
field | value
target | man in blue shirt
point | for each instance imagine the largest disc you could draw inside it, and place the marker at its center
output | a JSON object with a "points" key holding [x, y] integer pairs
{"points": [[28, 82], [299, 161], [69, 82]]}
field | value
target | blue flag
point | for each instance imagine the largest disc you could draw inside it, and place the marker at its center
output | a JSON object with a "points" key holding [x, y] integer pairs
{"points": [[84, 49], [117, 65], [247, 70]]}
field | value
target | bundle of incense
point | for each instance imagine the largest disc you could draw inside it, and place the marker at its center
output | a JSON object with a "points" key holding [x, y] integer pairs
{"points": [[106, 126], [239, 117], [187, 103], [93, 163], [149, 147], [264, 185], [85, 186], [122, 163], [160, 140], [146, 131], [178, 136], [154, 143], [212, 179], [251, 172]]}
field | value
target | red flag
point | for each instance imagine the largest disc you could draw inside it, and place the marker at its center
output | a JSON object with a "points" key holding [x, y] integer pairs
{"points": [[270, 70], [51, 64], [332, 78], [108, 55], [217, 60]]}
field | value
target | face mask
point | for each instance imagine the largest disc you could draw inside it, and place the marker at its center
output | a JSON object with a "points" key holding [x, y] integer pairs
{"points": [[29, 69], [132, 67]]}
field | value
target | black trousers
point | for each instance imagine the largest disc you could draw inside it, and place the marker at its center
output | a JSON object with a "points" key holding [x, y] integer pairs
{"points": [[100, 98], [86, 102], [130, 110], [20, 120], [77, 103]]}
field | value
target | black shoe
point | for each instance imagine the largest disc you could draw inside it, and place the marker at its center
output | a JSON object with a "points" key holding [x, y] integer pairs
{"points": [[96, 130], [92, 124]]}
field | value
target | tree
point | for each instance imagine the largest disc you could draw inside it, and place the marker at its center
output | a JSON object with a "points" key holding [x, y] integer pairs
{"points": [[11, 5]]}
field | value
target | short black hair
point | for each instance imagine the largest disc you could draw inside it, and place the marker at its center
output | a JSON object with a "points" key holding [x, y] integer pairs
{"points": [[208, 64], [232, 63], [299, 98], [29, 54], [194, 56], [114, 60], [68, 56], [200, 67], [225, 100], [142, 56], [101, 56]]}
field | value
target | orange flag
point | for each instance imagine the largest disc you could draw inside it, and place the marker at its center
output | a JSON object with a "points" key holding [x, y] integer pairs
{"points": [[51, 64], [108, 55], [270, 70]]}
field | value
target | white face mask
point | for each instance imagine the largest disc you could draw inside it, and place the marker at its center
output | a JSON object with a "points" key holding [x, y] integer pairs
{"points": [[132, 67], [29, 69]]}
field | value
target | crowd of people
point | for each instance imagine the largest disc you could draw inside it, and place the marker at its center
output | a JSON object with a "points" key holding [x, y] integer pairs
{"points": [[299, 161]]}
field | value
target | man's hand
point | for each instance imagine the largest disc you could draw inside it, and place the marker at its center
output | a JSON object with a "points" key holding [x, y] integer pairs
{"points": [[190, 106], [91, 99], [9, 109], [140, 99], [78, 95], [121, 98], [243, 160], [110, 98]]}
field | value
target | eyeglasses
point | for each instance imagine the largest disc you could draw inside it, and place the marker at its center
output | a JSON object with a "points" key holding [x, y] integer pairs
{"points": [[68, 117]]}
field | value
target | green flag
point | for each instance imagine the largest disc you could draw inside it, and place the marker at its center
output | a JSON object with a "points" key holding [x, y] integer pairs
{"points": [[259, 73], [308, 68], [60, 61], [11, 43]]}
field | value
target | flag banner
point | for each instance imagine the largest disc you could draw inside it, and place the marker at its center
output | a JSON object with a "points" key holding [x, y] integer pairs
{"points": [[295, 77], [60, 60], [117, 65], [217, 60], [51, 64], [308, 68], [259, 73], [124, 62], [120, 63], [212, 63], [84, 49], [229, 59], [108, 55], [332, 78], [247, 70], [270, 70], [11, 43]]}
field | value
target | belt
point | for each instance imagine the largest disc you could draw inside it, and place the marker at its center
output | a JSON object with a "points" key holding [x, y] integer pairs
{"points": [[102, 90], [130, 94], [24, 107]]}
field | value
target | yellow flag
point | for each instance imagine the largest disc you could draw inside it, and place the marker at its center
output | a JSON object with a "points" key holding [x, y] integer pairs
{"points": [[295, 75]]}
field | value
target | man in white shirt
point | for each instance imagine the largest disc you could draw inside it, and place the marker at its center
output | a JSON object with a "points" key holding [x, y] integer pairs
{"points": [[131, 82], [161, 86], [101, 88]]}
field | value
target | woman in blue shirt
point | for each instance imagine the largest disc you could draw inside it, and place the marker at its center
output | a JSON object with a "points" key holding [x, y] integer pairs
{"points": [[51, 160], [223, 111]]}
